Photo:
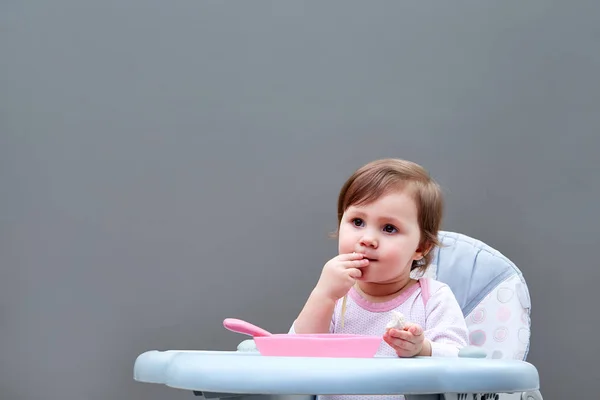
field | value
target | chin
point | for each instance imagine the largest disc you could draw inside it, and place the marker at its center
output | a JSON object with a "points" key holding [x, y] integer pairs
{"points": [[385, 280]]}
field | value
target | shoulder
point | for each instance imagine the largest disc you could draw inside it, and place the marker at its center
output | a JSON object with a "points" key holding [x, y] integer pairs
{"points": [[436, 292], [435, 286], [431, 287]]}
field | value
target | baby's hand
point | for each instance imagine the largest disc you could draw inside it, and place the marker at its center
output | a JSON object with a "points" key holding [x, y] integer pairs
{"points": [[409, 341], [339, 274]]}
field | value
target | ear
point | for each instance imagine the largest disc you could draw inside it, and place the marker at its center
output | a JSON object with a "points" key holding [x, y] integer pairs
{"points": [[422, 251]]}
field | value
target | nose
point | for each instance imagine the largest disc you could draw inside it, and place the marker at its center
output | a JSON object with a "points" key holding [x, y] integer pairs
{"points": [[369, 240]]}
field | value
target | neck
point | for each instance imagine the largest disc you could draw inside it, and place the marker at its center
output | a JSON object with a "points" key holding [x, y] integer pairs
{"points": [[384, 291]]}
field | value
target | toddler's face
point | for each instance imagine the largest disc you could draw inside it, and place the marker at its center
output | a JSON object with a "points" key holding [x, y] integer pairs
{"points": [[387, 232]]}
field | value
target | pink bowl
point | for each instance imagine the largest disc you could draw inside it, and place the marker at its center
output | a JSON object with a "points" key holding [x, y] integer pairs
{"points": [[318, 345]]}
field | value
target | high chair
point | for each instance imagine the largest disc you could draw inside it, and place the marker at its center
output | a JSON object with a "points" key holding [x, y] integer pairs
{"points": [[493, 296]]}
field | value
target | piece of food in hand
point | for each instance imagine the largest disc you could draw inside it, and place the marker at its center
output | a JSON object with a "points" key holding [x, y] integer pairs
{"points": [[397, 321]]}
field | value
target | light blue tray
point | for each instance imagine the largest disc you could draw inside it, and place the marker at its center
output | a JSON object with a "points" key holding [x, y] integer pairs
{"points": [[250, 373]]}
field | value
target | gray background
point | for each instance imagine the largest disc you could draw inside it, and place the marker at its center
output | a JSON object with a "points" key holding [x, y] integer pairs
{"points": [[167, 164]]}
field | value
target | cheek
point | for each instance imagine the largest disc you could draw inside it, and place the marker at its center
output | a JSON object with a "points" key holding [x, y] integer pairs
{"points": [[345, 245], [346, 240], [393, 256], [398, 253]]}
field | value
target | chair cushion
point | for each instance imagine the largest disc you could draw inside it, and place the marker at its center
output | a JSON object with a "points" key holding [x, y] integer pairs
{"points": [[491, 291]]}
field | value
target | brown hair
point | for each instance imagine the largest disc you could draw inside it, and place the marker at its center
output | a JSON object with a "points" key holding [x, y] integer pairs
{"points": [[380, 177]]}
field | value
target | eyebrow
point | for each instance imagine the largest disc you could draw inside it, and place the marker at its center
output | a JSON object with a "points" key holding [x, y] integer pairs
{"points": [[393, 221], [360, 214]]}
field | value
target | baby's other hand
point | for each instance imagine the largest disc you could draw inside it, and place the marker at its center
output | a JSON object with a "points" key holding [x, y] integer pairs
{"points": [[409, 341]]}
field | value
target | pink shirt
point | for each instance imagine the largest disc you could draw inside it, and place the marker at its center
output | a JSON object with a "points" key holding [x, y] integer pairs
{"points": [[430, 303]]}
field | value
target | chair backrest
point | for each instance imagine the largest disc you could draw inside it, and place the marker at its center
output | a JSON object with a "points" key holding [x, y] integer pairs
{"points": [[491, 291]]}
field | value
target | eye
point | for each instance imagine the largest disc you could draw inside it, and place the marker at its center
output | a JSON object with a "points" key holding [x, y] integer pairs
{"points": [[390, 229], [357, 222]]}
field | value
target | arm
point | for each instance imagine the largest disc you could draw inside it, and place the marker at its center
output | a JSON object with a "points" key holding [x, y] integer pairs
{"points": [[337, 277], [316, 316], [446, 331]]}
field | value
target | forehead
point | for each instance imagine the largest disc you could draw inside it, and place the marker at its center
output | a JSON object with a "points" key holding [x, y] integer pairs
{"points": [[397, 204]]}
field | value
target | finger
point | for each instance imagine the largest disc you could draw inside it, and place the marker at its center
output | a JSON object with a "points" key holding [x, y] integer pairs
{"points": [[405, 336], [350, 256], [391, 340], [400, 345], [409, 337], [415, 329], [388, 339], [355, 263], [400, 334], [394, 342], [354, 273]]}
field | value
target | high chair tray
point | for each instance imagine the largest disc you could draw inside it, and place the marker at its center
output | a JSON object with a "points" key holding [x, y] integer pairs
{"points": [[251, 373]]}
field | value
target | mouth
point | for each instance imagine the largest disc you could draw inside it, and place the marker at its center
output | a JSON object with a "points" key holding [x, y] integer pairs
{"points": [[371, 259]]}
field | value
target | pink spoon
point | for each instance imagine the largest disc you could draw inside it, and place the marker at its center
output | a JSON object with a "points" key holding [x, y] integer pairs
{"points": [[246, 328]]}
